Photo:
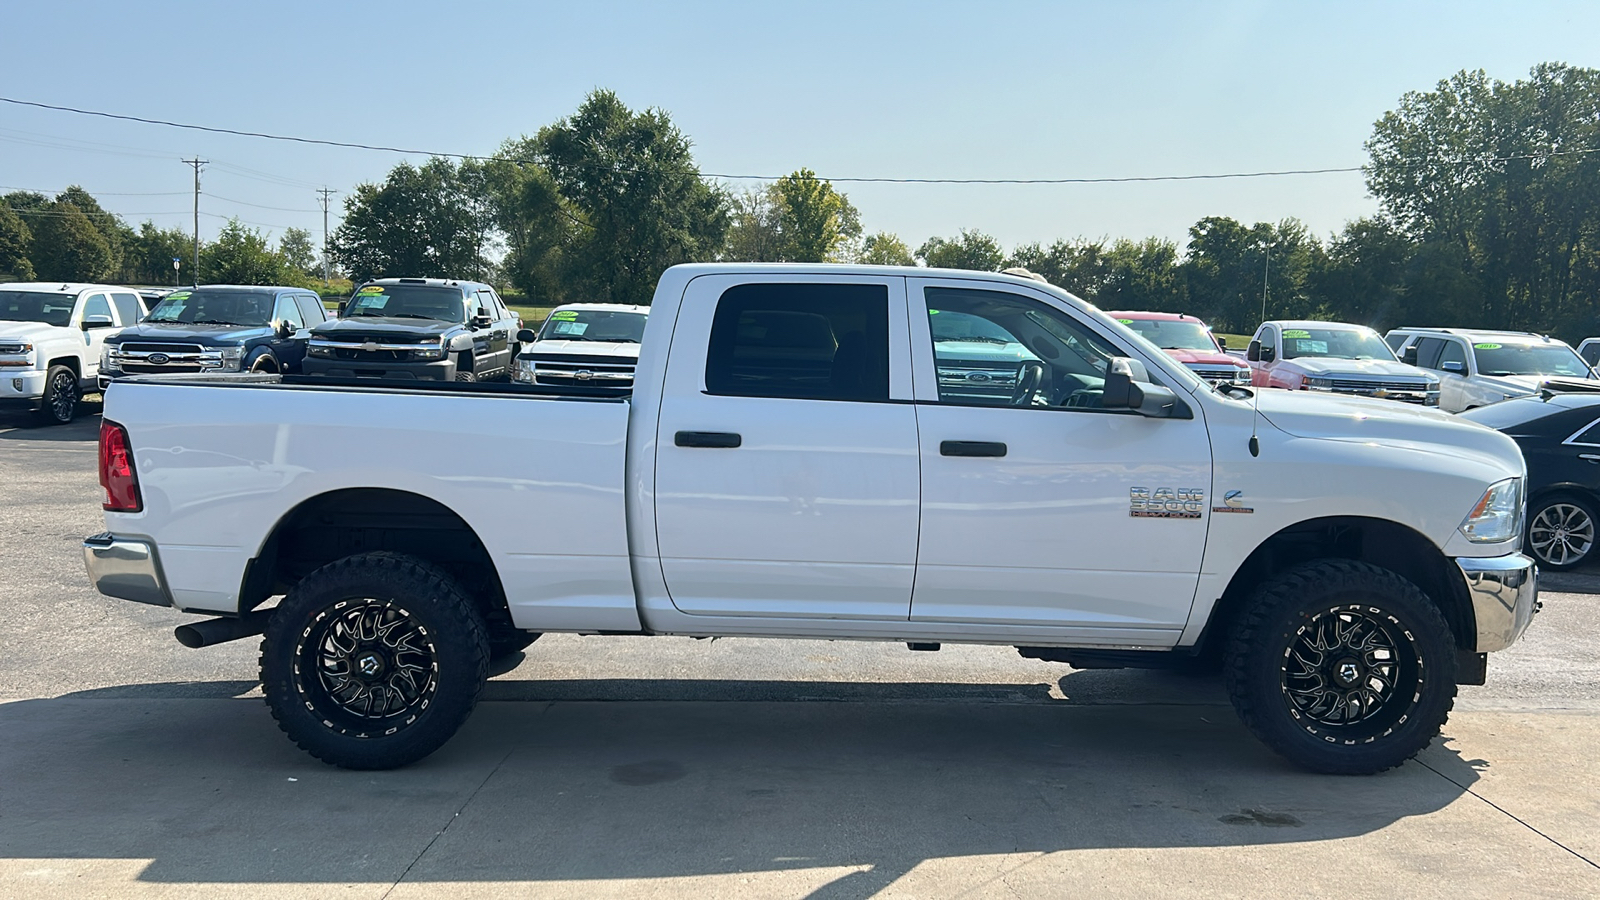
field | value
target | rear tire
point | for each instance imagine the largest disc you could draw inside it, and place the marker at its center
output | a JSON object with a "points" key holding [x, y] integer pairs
{"points": [[61, 396], [1342, 667], [374, 661], [1561, 531]]}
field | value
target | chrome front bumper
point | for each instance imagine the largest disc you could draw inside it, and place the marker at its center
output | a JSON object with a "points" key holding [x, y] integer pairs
{"points": [[126, 569], [1504, 592]]}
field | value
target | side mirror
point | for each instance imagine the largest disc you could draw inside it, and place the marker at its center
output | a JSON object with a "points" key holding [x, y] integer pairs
{"points": [[283, 328], [1454, 366], [1258, 353], [1128, 387], [481, 321], [1409, 355], [98, 322], [1222, 343], [527, 336]]}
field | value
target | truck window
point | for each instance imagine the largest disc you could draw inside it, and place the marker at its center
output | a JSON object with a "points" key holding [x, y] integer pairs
{"points": [[289, 312], [1428, 352], [1023, 345], [810, 341], [311, 309], [1451, 352], [128, 309], [97, 305]]}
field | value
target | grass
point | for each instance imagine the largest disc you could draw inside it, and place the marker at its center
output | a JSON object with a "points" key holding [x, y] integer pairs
{"points": [[1233, 341]]}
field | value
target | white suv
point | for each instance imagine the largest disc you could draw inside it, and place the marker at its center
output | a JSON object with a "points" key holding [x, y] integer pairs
{"points": [[50, 339], [1477, 368]]}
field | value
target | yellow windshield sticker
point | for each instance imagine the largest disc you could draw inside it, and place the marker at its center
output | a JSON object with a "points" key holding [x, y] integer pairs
{"points": [[1296, 333], [372, 289], [564, 315], [177, 295], [1126, 321], [1486, 346]]}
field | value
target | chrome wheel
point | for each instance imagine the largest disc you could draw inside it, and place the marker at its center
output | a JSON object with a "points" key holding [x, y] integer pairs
{"points": [[374, 667], [1350, 673], [1561, 534]]}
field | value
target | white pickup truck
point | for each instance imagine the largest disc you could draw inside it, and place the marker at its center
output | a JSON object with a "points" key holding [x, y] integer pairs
{"points": [[791, 464], [51, 337]]}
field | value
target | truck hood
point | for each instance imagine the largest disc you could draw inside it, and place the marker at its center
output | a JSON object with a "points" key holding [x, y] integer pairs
{"points": [[1371, 421], [1314, 365], [32, 331], [1204, 358], [383, 326], [1516, 385], [981, 350], [584, 348], [205, 335]]}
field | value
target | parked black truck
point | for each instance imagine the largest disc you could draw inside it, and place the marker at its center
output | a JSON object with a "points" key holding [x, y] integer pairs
{"points": [[417, 329]]}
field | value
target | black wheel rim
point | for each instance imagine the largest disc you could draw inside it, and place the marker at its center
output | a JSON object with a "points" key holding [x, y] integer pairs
{"points": [[1561, 534], [1351, 674], [63, 396], [367, 667]]}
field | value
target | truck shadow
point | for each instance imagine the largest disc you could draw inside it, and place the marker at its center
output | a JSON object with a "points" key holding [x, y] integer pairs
{"points": [[717, 778], [22, 426]]}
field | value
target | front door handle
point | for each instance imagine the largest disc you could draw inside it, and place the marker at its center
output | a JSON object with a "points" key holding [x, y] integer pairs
{"points": [[1591, 457], [723, 439], [971, 448]]}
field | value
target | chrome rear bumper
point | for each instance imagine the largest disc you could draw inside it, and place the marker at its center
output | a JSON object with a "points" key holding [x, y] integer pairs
{"points": [[1504, 592], [126, 569]]}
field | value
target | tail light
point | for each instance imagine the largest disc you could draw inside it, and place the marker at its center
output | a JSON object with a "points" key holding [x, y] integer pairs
{"points": [[116, 470]]}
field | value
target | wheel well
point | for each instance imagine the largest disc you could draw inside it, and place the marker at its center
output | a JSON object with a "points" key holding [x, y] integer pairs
{"points": [[343, 523], [465, 362], [257, 357], [70, 362], [1387, 544]]}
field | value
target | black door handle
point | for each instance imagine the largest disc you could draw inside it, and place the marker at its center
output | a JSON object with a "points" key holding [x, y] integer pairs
{"points": [[971, 448], [723, 439]]}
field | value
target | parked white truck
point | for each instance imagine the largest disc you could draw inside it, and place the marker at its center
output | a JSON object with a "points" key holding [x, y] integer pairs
{"points": [[51, 336], [791, 464]]}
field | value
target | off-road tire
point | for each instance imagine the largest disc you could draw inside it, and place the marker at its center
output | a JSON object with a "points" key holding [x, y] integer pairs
{"points": [[1267, 681], [464, 370], [59, 406], [447, 642]]}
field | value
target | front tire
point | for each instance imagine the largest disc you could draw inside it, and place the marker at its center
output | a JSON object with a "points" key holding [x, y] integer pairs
{"points": [[1561, 531], [61, 396], [1342, 667], [374, 661]]}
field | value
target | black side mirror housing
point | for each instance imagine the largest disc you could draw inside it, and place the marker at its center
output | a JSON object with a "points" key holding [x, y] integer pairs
{"points": [[1254, 353], [283, 328], [1409, 357], [481, 321], [1128, 387], [527, 336]]}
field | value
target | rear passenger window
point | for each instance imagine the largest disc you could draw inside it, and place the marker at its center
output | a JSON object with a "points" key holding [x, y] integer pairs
{"points": [[128, 310], [808, 341], [312, 309], [1452, 353], [1428, 352]]}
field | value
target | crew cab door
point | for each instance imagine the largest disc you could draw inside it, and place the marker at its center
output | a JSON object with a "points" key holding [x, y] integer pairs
{"points": [[1447, 357], [290, 350], [95, 319], [1037, 510], [497, 335], [786, 451]]}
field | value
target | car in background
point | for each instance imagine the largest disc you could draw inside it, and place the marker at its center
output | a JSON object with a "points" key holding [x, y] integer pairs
{"points": [[51, 335], [583, 344], [417, 329], [1190, 341], [216, 328], [1590, 351], [1476, 368], [978, 361], [1338, 358], [1558, 430]]}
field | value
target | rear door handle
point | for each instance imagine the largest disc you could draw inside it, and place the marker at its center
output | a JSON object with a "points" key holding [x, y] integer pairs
{"points": [[724, 439], [971, 448]]}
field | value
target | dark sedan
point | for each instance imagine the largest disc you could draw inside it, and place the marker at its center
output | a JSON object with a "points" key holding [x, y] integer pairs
{"points": [[1558, 430]]}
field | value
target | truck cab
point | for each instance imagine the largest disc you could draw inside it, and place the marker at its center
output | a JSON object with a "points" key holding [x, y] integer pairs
{"points": [[583, 344], [51, 335], [1476, 368]]}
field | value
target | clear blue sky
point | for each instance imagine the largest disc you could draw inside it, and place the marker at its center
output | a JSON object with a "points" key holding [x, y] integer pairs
{"points": [[929, 89]]}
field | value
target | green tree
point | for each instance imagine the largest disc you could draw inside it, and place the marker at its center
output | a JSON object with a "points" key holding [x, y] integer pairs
{"points": [[1080, 266], [815, 221], [535, 221], [116, 233], [66, 245], [299, 253], [148, 256], [423, 221], [1143, 275], [969, 249], [1228, 264], [755, 232], [885, 249], [640, 205], [15, 239], [1488, 167], [242, 255]]}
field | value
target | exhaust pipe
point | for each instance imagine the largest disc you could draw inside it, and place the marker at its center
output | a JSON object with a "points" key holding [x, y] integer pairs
{"points": [[219, 631]]}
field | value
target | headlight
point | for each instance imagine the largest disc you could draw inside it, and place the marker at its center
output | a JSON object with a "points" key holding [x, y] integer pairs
{"points": [[431, 352], [1317, 384], [227, 359], [319, 350], [21, 349], [1241, 376], [1497, 515], [524, 373], [109, 360]]}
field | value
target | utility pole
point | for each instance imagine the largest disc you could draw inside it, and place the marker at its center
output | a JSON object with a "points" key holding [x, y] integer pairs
{"points": [[325, 192], [197, 162]]}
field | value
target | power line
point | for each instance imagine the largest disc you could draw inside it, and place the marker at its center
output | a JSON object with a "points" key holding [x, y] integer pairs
{"points": [[746, 177]]}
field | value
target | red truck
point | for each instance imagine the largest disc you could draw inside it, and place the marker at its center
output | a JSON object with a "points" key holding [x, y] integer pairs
{"points": [[1188, 340]]}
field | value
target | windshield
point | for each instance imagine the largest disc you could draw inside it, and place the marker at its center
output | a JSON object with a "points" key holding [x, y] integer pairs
{"points": [[964, 327], [1174, 335], [1528, 359], [37, 306], [1335, 343], [408, 301], [616, 326], [214, 307]]}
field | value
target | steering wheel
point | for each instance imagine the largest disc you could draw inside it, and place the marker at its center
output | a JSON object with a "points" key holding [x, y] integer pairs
{"points": [[1030, 375]]}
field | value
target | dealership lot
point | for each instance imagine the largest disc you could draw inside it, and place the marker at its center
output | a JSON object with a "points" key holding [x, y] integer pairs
{"points": [[617, 767]]}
